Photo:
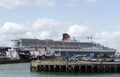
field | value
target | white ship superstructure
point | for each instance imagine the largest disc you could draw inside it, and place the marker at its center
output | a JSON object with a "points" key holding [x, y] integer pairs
{"points": [[58, 48]]}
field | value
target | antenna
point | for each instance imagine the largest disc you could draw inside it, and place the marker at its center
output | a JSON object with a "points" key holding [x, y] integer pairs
{"points": [[90, 38]]}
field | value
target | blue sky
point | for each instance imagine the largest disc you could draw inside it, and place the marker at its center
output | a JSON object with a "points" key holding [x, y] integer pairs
{"points": [[45, 19]]}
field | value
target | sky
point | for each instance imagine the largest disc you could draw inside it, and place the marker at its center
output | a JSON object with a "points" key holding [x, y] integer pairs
{"points": [[49, 19]]}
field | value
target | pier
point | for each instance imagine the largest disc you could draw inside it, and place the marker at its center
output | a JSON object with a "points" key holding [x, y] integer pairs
{"points": [[75, 67]]}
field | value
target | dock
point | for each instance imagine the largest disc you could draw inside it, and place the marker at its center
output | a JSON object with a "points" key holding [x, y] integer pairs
{"points": [[74, 67]]}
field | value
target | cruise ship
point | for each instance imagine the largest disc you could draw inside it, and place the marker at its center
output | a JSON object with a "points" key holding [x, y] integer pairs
{"points": [[65, 46]]}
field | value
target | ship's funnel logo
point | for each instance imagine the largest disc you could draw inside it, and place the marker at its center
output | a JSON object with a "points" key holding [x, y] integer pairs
{"points": [[66, 36]]}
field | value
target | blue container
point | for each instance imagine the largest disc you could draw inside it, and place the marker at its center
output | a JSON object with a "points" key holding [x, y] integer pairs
{"points": [[92, 55]]}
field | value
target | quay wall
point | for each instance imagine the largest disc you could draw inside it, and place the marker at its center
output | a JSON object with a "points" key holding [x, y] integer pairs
{"points": [[75, 67]]}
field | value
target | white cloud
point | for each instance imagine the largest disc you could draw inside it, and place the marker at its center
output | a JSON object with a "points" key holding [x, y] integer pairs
{"points": [[9, 4], [29, 35], [44, 23], [78, 30], [91, 1], [44, 35], [10, 31], [10, 27], [72, 3], [108, 35], [48, 3], [107, 38], [45, 28], [52, 26], [41, 28]]}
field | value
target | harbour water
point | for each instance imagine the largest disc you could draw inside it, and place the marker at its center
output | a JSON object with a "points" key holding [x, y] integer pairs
{"points": [[23, 70]]}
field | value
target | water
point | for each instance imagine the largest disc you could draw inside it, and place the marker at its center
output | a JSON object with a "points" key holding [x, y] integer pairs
{"points": [[22, 70]]}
